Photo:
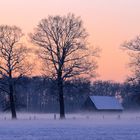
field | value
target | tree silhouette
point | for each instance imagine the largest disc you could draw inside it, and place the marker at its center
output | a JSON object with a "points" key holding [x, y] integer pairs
{"points": [[12, 61], [133, 49], [64, 50]]}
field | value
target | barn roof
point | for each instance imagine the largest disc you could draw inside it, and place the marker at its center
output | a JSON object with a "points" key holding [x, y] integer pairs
{"points": [[106, 102]]}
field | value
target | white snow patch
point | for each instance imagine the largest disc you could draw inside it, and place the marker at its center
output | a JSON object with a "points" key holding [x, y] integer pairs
{"points": [[75, 127]]}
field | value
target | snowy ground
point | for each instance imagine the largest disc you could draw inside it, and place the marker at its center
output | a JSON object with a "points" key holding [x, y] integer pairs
{"points": [[75, 127]]}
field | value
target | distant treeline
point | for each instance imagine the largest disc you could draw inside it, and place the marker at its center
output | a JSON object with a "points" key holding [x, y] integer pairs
{"points": [[39, 94]]}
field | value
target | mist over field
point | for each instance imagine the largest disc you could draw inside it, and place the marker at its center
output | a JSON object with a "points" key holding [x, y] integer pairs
{"points": [[101, 116], [85, 126]]}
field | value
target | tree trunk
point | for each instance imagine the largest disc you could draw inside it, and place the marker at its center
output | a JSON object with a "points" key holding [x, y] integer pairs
{"points": [[61, 98], [12, 102]]}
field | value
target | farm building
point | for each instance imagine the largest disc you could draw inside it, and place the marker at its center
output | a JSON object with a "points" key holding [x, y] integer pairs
{"points": [[102, 103]]}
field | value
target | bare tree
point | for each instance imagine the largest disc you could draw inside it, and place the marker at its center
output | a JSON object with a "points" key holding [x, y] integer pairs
{"points": [[12, 61], [133, 49], [63, 46]]}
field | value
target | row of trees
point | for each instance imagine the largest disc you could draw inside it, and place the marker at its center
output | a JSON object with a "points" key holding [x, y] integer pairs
{"points": [[64, 52], [39, 94]]}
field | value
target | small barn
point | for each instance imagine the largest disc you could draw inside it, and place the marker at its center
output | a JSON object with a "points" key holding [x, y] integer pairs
{"points": [[102, 103]]}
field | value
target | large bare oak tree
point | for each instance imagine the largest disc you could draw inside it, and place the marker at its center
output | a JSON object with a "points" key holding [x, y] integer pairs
{"points": [[64, 49], [12, 61]]}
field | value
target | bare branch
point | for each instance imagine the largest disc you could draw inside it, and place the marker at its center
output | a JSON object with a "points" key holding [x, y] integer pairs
{"points": [[63, 40]]}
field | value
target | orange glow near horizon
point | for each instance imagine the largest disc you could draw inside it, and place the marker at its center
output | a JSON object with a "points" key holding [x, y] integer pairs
{"points": [[109, 23]]}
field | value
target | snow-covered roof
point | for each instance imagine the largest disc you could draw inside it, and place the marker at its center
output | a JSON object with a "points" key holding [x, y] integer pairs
{"points": [[106, 102]]}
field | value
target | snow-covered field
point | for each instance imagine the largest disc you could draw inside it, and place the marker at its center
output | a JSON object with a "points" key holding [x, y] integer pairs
{"points": [[75, 127]]}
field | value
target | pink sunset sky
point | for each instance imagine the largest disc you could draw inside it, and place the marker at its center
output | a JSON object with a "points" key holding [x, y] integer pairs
{"points": [[109, 23]]}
